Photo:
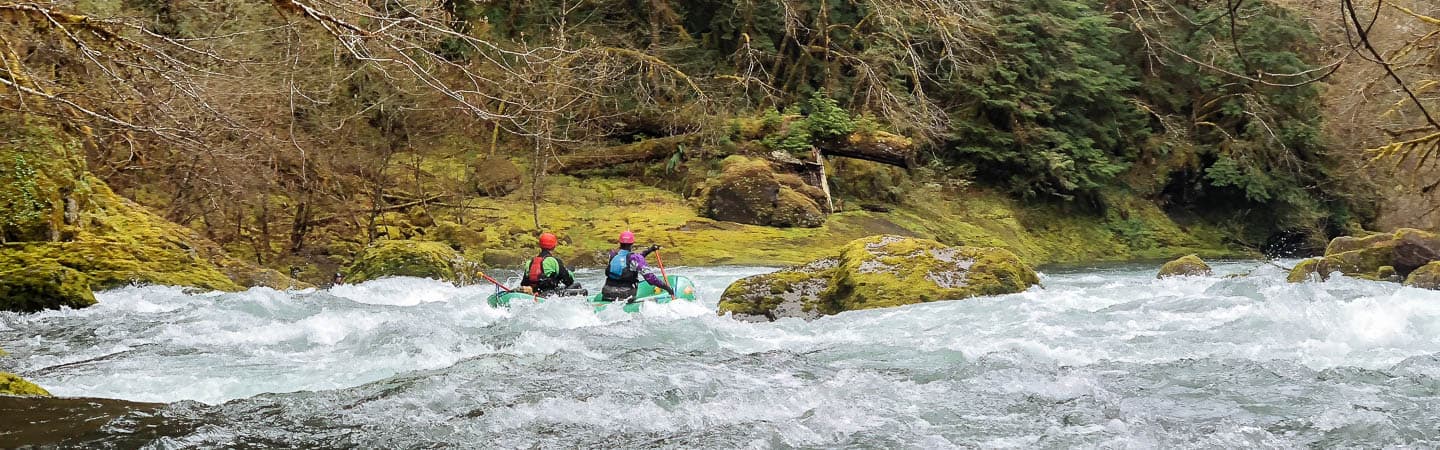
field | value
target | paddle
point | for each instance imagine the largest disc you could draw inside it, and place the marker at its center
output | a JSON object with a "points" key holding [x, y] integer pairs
{"points": [[492, 280], [661, 262]]}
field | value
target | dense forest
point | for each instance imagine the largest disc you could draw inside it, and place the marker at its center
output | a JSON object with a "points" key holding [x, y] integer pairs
{"points": [[294, 132]]}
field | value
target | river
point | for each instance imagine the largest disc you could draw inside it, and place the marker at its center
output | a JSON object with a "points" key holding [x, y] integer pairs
{"points": [[1097, 357]]}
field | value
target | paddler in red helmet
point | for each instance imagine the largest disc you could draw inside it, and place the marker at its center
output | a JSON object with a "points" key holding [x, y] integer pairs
{"points": [[546, 275]]}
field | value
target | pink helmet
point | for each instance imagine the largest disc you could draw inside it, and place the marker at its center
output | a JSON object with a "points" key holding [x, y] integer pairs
{"points": [[626, 237]]}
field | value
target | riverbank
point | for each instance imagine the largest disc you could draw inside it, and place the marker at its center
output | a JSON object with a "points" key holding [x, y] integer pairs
{"points": [[587, 214]]}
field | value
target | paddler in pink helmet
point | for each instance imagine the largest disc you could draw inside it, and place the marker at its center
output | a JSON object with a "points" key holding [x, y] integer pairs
{"points": [[626, 267]]}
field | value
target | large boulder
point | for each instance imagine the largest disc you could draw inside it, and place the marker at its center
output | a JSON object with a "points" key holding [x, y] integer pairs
{"points": [[405, 258], [1426, 277], [496, 177], [750, 191], [1188, 265], [878, 272], [11, 384], [44, 286], [1383, 256], [1415, 248]]}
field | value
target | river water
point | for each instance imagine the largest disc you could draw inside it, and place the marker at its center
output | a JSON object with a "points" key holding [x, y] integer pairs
{"points": [[1098, 357]]}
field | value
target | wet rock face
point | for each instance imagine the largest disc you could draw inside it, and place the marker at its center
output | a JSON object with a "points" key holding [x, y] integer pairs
{"points": [[44, 286], [1188, 265], [749, 191], [878, 272], [1384, 256]]}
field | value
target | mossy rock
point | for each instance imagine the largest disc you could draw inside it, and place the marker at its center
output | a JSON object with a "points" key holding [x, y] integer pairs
{"points": [[405, 258], [1188, 265], [42, 181], [878, 272], [1426, 277], [496, 177], [790, 292], [503, 258], [884, 271], [1344, 244], [1305, 271], [1415, 248], [1365, 263], [11, 384], [88, 228], [44, 286], [749, 191]]}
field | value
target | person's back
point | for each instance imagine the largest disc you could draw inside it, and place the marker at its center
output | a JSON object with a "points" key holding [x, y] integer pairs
{"points": [[625, 268], [546, 275]]}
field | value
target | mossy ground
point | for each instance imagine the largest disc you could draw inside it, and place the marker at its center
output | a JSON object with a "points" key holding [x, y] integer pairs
{"points": [[587, 214]]}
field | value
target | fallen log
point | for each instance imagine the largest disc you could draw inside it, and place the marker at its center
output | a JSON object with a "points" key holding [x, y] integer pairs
{"points": [[876, 146], [602, 157]]}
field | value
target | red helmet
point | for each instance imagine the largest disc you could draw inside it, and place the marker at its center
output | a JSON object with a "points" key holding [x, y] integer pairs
{"points": [[548, 241], [626, 237]]}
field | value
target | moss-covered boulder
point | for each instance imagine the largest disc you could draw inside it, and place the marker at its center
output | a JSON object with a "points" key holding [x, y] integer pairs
{"points": [[1425, 277], [405, 258], [1188, 265], [1415, 248], [878, 272], [11, 384], [1381, 256], [44, 286], [496, 177], [750, 191], [791, 292], [1344, 244]]}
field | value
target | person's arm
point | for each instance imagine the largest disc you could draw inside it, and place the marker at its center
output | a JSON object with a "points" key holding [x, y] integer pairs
{"points": [[566, 279], [644, 270]]}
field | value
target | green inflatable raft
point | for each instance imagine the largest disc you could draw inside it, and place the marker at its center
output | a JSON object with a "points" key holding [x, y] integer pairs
{"points": [[644, 293]]}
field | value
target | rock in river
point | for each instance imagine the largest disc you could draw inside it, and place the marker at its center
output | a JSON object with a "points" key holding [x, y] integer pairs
{"points": [[878, 272]]}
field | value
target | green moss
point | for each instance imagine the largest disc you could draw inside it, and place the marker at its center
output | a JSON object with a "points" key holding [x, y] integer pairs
{"points": [[1344, 244], [40, 172], [407, 258], [11, 384], [110, 239], [885, 271], [1426, 277], [1184, 266], [44, 285], [878, 272], [1304, 271]]}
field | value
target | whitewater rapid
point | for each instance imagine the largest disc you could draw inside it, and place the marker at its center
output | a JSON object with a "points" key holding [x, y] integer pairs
{"points": [[1097, 357]]}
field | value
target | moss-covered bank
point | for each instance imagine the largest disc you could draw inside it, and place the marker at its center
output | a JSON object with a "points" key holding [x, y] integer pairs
{"points": [[59, 217], [588, 213]]}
